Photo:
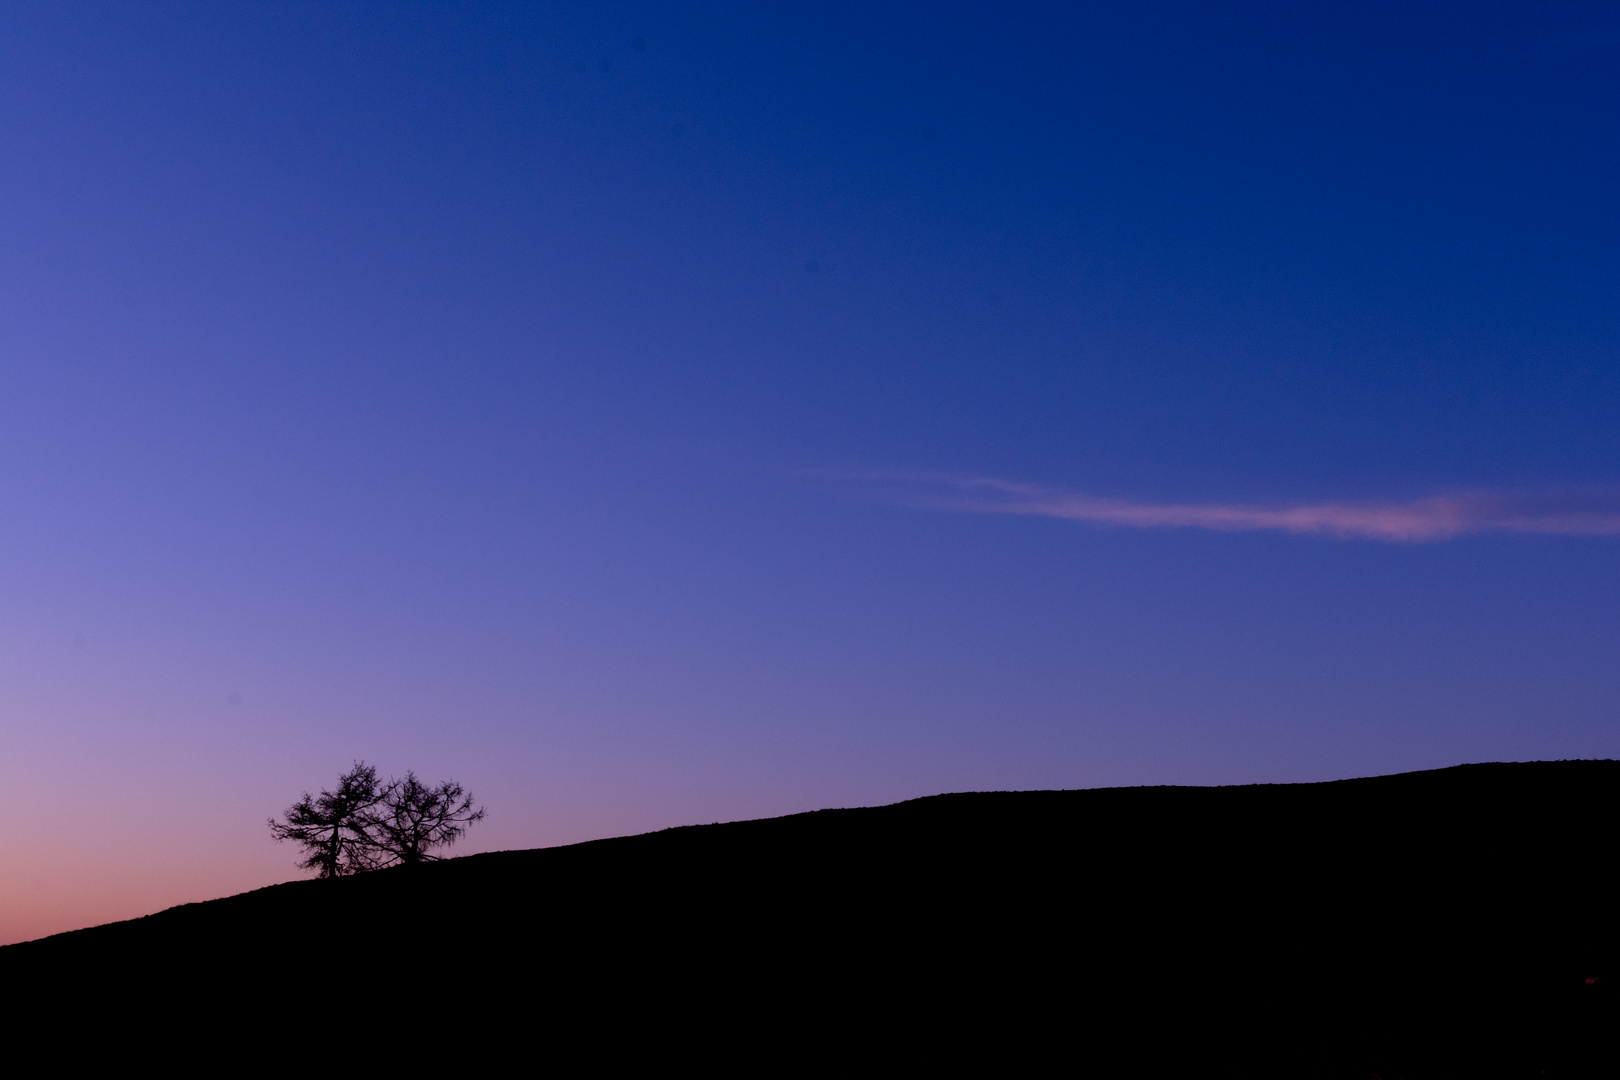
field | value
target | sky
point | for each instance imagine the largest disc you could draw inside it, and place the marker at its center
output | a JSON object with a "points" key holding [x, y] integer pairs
{"points": [[657, 414]]}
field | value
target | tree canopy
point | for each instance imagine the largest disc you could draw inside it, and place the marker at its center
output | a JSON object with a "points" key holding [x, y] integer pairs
{"points": [[334, 827], [365, 825]]}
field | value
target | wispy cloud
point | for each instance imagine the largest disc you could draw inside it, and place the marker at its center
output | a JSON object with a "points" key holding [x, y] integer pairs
{"points": [[1439, 517]]}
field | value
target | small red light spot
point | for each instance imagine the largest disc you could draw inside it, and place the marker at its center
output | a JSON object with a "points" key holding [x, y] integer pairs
{"points": [[1589, 982]]}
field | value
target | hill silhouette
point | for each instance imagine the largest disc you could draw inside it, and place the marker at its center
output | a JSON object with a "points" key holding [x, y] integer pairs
{"points": [[1457, 922]]}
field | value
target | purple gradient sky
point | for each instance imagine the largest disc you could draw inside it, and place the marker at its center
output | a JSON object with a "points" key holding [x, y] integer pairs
{"points": [[500, 391]]}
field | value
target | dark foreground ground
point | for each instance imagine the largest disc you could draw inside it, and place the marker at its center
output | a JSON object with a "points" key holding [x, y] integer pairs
{"points": [[1460, 922]]}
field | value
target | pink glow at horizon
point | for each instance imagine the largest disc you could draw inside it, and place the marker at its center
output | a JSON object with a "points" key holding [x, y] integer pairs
{"points": [[1441, 517]]}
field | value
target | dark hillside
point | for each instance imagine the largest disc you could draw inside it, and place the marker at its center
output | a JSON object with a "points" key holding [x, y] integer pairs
{"points": [[1445, 923]]}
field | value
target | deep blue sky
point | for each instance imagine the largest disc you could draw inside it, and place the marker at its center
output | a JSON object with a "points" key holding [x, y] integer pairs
{"points": [[557, 398]]}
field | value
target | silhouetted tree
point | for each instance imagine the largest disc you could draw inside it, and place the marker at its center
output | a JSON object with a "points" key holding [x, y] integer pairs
{"points": [[334, 827], [411, 819]]}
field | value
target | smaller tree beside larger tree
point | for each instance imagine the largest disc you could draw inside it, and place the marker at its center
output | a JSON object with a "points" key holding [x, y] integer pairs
{"points": [[412, 819]]}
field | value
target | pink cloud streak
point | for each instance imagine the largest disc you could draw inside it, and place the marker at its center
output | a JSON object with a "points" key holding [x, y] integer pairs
{"points": [[1441, 517]]}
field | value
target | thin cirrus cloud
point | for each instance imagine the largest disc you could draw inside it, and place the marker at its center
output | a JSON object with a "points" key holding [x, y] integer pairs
{"points": [[1439, 517]]}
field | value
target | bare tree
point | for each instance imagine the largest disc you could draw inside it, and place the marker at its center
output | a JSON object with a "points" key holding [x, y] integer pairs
{"points": [[333, 827], [411, 819]]}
